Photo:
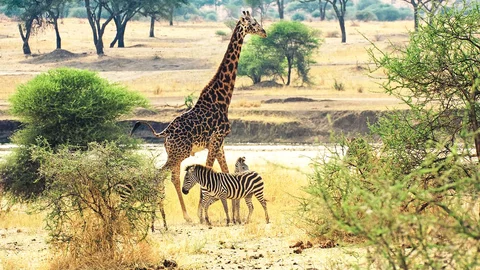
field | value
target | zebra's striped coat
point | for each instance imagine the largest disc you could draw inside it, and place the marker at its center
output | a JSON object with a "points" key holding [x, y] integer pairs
{"points": [[206, 199], [226, 186]]}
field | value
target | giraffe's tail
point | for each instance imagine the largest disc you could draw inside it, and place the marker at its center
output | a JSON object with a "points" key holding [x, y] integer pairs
{"points": [[139, 123]]}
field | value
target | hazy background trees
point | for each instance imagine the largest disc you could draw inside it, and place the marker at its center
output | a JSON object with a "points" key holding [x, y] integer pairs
{"points": [[33, 15]]}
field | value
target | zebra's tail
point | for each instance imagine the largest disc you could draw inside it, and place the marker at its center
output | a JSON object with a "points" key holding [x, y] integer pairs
{"points": [[139, 123]]}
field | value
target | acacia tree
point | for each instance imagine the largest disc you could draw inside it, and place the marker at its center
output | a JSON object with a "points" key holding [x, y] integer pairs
{"points": [[258, 60], [340, 8], [54, 12], [122, 12], [31, 15], [430, 7], [440, 69], [322, 7], [156, 9], [94, 14], [281, 9], [294, 42]]}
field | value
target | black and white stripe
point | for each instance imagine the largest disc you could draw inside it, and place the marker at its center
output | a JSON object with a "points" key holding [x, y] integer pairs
{"points": [[226, 186], [125, 192], [206, 199]]}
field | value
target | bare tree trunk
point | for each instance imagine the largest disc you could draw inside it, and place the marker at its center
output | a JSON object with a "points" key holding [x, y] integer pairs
{"points": [[341, 21], [25, 37], [152, 26], [416, 16], [280, 7], [289, 70], [57, 33], [172, 9]]}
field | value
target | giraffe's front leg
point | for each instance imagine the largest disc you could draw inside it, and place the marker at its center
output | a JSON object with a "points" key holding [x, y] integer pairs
{"points": [[176, 182]]}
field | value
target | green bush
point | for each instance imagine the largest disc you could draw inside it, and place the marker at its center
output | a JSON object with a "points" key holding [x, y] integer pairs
{"points": [[413, 197], [258, 61], [64, 106], [365, 15], [85, 211], [68, 106], [425, 216], [298, 16], [288, 45], [211, 16]]}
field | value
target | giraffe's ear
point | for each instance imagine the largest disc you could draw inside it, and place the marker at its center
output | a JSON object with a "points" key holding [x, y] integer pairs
{"points": [[248, 13]]}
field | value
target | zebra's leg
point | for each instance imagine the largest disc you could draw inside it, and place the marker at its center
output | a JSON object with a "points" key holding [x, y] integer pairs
{"points": [[236, 211], [248, 200], [263, 202], [225, 207], [206, 204], [200, 207]]}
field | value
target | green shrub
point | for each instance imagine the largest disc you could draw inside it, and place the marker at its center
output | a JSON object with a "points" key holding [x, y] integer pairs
{"points": [[298, 16], [413, 197], [339, 86], [64, 106], [221, 33], [427, 215], [365, 15], [258, 61], [211, 16], [86, 216]]}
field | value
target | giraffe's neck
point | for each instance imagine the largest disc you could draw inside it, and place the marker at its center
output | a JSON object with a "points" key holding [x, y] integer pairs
{"points": [[220, 88]]}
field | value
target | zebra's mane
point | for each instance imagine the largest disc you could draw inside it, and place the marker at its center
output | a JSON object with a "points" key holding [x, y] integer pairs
{"points": [[197, 167]]}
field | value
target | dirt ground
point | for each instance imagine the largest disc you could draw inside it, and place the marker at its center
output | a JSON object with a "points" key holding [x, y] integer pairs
{"points": [[197, 246]]}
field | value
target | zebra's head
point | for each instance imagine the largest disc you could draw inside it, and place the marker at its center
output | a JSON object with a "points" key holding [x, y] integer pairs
{"points": [[190, 179], [240, 165]]}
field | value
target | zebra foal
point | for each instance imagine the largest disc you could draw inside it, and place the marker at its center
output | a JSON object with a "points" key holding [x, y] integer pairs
{"points": [[226, 186], [205, 198]]}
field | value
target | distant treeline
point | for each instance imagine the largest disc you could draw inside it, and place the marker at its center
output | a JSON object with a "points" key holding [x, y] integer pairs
{"points": [[220, 10]]}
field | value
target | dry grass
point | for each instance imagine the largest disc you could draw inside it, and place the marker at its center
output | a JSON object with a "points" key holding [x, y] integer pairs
{"points": [[183, 243], [183, 58]]}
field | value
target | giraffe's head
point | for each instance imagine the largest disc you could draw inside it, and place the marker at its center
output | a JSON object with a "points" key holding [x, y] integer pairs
{"points": [[250, 25]]}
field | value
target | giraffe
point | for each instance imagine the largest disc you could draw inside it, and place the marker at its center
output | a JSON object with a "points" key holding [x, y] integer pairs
{"points": [[206, 124]]}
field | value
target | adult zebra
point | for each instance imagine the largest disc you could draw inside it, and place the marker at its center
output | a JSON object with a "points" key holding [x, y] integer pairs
{"points": [[206, 199], [125, 191], [226, 186]]}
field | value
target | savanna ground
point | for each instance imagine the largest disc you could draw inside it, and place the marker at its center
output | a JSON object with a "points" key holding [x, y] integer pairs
{"points": [[178, 62]]}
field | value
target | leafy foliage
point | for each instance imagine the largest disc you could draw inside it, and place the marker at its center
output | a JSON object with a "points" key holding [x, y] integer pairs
{"points": [[63, 106], [287, 43], [71, 106], [414, 197], [258, 60], [82, 198]]}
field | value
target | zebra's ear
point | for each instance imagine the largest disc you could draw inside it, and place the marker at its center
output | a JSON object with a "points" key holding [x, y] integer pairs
{"points": [[188, 167]]}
